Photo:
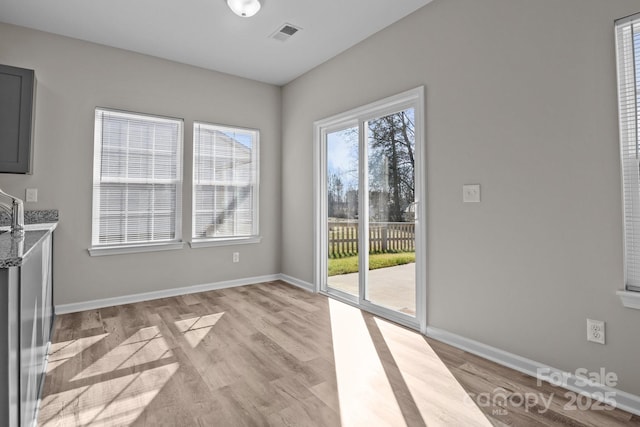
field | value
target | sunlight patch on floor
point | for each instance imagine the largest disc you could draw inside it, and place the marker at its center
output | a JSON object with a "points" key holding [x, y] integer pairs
{"points": [[145, 346], [60, 352], [437, 394], [196, 328], [362, 383], [393, 370], [115, 402]]}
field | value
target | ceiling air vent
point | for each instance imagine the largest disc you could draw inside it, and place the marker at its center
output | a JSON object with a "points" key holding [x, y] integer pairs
{"points": [[285, 32]]}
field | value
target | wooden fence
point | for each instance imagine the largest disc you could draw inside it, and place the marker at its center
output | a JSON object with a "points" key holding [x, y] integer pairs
{"points": [[383, 237]]}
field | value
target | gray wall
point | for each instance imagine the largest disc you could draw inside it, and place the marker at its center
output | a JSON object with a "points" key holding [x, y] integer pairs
{"points": [[73, 78], [520, 98]]}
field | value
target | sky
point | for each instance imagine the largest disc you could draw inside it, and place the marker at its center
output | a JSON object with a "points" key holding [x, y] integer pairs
{"points": [[243, 138], [342, 156]]}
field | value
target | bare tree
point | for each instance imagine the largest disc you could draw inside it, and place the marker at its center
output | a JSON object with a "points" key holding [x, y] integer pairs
{"points": [[392, 161], [335, 195]]}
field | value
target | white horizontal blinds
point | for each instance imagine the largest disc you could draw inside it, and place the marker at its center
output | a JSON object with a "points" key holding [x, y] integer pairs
{"points": [[628, 54], [137, 184], [225, 182]]}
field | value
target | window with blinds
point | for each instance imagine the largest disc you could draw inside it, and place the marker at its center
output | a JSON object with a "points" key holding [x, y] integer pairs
{"points": [[137, 180], [628, 54], [225, 182]]}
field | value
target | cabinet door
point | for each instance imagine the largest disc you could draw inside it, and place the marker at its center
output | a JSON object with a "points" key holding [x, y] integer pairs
{"points": [[46, 311], [31, 353], [9, 344], [16, 114]]}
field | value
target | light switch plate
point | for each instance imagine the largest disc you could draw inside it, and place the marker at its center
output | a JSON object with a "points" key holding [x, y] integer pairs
{"points": [[32, 195], [471, 193]]}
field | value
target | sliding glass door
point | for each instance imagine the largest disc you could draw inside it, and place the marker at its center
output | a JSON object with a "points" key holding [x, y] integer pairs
{"points": [[370, 237], [391, 238], [343, 225]]}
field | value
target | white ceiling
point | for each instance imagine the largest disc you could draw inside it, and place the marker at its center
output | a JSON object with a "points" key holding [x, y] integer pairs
{"points": [[205, 33]]}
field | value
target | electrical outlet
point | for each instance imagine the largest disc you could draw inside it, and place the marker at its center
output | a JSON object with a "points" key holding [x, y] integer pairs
{"points": [[236, 257], [595, 331], [471, 193]]}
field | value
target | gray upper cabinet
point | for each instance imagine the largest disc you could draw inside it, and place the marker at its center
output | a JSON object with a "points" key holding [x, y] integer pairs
{"points": [[17, 91]]}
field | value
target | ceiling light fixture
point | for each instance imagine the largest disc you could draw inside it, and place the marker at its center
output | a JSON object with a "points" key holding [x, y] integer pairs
{"points": [[244, 8]]}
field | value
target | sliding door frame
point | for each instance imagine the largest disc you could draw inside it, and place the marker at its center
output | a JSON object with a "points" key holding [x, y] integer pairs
{"points": [[413, 98]]}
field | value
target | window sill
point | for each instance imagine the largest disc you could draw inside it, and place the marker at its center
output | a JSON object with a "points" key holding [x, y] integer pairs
{"points": [[206, 243], [120, 250], [630, 299]]}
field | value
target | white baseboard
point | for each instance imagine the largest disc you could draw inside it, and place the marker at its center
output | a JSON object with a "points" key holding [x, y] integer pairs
{"points": [[298, 283], [129, 299], [623, 400]]}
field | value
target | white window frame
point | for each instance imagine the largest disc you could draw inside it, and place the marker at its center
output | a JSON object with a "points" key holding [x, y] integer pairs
{"points": [[627, 33], [199, 242], [97, 249]]}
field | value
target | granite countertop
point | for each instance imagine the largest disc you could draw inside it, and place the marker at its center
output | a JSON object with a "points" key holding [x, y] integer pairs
{"points": [[15, 249], [33, 217]]}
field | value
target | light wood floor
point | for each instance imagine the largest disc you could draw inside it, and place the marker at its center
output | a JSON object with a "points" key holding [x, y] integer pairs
{"points": [[271, 354]]}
